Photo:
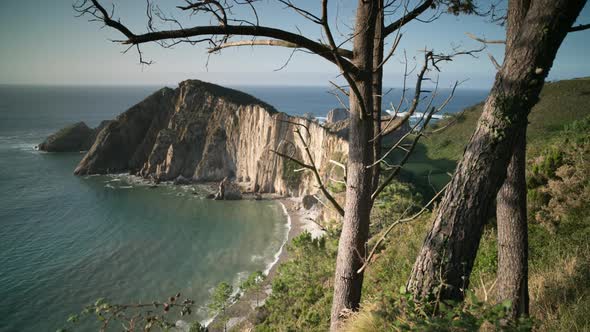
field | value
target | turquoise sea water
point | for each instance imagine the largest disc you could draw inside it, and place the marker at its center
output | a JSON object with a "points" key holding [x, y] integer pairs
{"points": [[66, 241]]}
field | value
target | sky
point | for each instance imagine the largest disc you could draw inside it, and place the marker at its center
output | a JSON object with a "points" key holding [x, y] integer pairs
{"points": [[43, 43]]}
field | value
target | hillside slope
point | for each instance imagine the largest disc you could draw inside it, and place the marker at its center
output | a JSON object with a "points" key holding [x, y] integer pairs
{"points": [[560, 103], [559, 225]]}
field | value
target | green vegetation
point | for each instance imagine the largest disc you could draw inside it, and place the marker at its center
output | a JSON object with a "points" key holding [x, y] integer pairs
{"points": [[561, 103], [558, 179], [158, 315], [290, 174], [220, 299], [335, 172], [301, 291], [254, 284]]}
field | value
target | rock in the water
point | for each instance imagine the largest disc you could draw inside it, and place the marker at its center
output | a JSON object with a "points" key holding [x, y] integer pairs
{"points": [[181, 180], [73, 138], [309, 201], [228, 190], [337, 114]]}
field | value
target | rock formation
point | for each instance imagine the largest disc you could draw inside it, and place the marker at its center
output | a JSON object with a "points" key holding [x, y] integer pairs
{"points": [[73, 138], [201, 132], [337, 114], [228, 190], [204, 132]]}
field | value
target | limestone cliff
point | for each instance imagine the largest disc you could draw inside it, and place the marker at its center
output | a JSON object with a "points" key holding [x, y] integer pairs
{"points": [[205, 132]]}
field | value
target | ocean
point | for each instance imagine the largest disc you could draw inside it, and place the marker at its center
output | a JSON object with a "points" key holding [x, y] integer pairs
{"points": [[66, 241]]}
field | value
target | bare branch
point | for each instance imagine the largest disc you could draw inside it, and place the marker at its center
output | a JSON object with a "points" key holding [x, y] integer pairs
{"points": [[494, 62], [415, 101], [95, 9], [396, 41], [580, 27], [485, 41], [302, 12], [398, 168], [400, 221], [269, 42], [345, 73], [341, 165], [311, 166], [407, 18], [318, 178]]}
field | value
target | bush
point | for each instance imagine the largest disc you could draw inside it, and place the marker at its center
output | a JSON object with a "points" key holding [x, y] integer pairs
{"points": [[290, 175]]}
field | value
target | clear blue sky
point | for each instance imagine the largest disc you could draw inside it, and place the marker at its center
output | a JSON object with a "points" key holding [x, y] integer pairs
{"points": [[43, 43]]}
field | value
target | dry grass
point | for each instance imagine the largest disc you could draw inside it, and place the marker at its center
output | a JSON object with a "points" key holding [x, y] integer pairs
{"points": [[560, 298]]}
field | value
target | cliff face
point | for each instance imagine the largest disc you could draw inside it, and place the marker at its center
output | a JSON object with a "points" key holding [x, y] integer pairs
{"points": [[206, 132]]}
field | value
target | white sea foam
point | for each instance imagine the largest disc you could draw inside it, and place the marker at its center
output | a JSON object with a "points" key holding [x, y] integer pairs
{"points": [[278, 254], [242, 275], [256, 258]]}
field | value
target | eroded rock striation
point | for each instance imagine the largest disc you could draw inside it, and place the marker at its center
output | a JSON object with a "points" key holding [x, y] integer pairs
{"points": [[204, 132]]}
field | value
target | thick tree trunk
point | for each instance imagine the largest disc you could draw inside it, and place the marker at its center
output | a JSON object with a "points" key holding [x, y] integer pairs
{"points": [[445, 261], [511, 214], [355, 228], [512, 234]]}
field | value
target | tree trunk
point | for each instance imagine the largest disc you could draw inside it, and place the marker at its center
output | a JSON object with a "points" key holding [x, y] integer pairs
{"points": [[377, 92], [511, 213], [512, 234], [444, 264], [355, 228]]}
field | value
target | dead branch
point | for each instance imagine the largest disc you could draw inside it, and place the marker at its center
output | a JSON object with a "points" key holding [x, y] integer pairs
{"points": [[389, 29], [269, 42], [318, 178], [494, 62], [400, 221], [404, 160], [94, 9], [483, 40], [580, 27], [413, 107], [311, 166], [345, 73]]}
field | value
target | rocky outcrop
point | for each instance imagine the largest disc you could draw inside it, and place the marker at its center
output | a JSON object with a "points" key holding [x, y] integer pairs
{"points": [[204, 132], [309, 201], [337, 114], [228, 190], [73, 138]]}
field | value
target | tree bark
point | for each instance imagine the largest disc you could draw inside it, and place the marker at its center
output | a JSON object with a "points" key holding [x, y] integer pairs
{"points": [[355, 228], [511, 214], [444, 264], [377, 92], [511, 209]]}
